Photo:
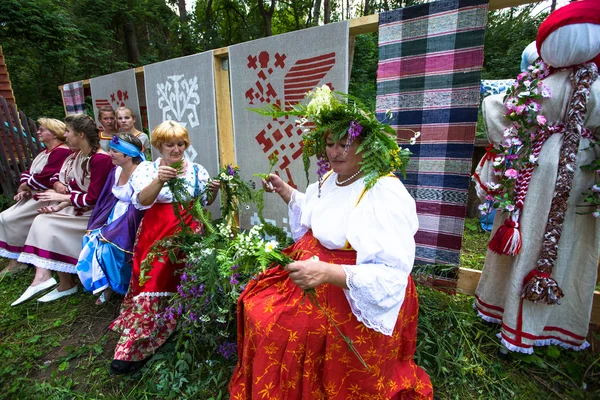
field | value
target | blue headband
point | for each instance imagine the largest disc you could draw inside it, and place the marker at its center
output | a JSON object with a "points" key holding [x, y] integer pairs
{"points": [[126, 148]]}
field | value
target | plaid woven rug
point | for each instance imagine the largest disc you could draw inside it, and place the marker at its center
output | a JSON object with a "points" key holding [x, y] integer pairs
{"points": [[74, 98], [430, 59]]}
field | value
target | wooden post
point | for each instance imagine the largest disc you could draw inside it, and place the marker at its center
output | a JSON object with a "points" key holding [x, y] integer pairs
{"points": [[224, 115]]}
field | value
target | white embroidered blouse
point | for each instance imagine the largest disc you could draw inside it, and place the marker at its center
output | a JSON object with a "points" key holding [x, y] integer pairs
{"points": [[380, 228], [195, 177]]}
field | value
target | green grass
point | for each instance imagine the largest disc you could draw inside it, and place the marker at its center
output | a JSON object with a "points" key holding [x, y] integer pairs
{"points": [[475, 241], [62, 350]]}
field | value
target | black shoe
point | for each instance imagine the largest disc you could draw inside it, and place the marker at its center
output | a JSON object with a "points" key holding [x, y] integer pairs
{"points": [[120, 367]]}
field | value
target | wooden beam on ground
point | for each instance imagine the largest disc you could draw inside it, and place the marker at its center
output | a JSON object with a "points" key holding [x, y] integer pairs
{"points": [[469, 278]]}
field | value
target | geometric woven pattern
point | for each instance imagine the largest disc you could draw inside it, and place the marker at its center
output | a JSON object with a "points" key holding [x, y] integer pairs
{"points": [[428, 77]]}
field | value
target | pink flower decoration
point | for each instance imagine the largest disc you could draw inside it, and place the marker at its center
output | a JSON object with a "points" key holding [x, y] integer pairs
{"points": [[541, 120], [511, 173]]}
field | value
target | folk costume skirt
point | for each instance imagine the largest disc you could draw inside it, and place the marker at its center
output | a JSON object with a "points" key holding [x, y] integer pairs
{"points": [[143, 323], [15, 223], [54, 240], [288, 349]]}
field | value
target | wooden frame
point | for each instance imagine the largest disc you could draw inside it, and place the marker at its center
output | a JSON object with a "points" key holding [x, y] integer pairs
{"points": [[467, 278]]}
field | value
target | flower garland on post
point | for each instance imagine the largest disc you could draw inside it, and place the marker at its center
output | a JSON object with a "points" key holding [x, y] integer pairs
{"points": [[515, 159], [539, 286]]}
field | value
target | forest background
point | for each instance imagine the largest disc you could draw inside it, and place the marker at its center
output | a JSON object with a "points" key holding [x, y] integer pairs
{"points": [[48, 43]]}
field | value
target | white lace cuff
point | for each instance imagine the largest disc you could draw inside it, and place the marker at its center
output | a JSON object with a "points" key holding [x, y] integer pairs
{"points": [[376, 294]]}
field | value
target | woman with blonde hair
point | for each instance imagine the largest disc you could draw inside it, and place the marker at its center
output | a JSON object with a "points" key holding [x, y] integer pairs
{"points": [[141, 330], [16, 221], [54, 239], [126, 121]]}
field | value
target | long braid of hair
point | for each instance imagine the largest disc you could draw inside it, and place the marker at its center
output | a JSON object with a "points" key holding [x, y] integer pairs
{"points": [[83, 123]]}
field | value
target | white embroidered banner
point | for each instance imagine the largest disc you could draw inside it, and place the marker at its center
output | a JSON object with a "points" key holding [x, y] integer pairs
{"points": [[280, 70], [182, 90], [116, 90]]}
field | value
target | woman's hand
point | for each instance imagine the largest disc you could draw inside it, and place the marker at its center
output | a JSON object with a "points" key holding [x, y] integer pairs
{"points": [[54, 208], [274, 184], [25, 194], [51, 195], [308, 274], [213, 188], [166, 173], [60, 188]]}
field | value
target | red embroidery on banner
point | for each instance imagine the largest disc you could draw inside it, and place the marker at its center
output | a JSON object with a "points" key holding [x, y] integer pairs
{"points": [[281, 136], [115, 100]]}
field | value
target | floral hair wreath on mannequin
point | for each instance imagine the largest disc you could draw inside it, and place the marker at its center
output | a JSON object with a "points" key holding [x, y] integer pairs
{"points": [[342, 115]]}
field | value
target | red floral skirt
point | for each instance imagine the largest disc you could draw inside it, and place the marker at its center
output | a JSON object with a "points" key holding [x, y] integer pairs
{"points": [[288, 349], [143, 325]]}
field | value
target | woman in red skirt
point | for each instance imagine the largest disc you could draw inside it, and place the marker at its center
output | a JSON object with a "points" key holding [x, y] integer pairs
{"points": [[354, 245], [142, 323]]}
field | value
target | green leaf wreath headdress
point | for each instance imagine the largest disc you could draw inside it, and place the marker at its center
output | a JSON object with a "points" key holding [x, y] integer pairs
{"points": [[342, 114]]}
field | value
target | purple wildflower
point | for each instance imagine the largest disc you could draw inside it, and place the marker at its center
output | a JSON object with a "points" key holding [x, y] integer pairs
{"points": [[354, 131], [184, 277], [181, 291], [227, 349], [234, 267], [323, 165], [233, 280], [230, 170]]}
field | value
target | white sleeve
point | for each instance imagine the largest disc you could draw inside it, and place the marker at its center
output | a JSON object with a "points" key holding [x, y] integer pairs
{"points": [[141, 177], [203, 178], [381, 230], [296, 206]]}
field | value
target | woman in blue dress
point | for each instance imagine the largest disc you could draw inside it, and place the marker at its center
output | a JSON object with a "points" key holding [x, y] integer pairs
{"points": [[104, 264]]}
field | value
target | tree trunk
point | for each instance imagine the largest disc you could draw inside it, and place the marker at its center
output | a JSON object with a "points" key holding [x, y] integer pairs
{"points": [[316, 12], [267, 15], [182, 11], [327, 11], [366, 9], [553, 6], [131, 46]]}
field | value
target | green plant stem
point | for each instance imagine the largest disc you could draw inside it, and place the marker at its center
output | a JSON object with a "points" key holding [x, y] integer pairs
{"points": [[312, 296]]}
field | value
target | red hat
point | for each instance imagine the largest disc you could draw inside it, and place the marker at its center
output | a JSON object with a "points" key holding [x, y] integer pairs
{"points": [[579, 12]]}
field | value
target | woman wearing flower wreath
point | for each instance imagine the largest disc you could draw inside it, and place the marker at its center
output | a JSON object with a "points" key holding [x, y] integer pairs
{"points": [[16, 221], [540, 271], [354, 246], [142, 330], [104, 264], [53, 242]]}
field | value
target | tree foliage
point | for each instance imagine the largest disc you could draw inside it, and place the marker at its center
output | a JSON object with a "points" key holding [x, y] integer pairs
{"points": [[51, 42]]}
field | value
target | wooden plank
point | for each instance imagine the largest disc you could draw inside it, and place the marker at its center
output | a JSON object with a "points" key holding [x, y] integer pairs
{"points": [[21, 146], [224, 115], [596, 308], [469, 278]]}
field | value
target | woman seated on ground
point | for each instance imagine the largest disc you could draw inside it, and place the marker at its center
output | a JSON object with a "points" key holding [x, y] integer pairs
{"points": [[355, 248], [108, 119], [54, 240], [142, 330], [104, 264], [126, 121], [16, 221]]}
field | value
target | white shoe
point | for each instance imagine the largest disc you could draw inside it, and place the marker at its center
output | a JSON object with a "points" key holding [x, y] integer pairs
{"points": [[33, 290], [55, 294]]}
